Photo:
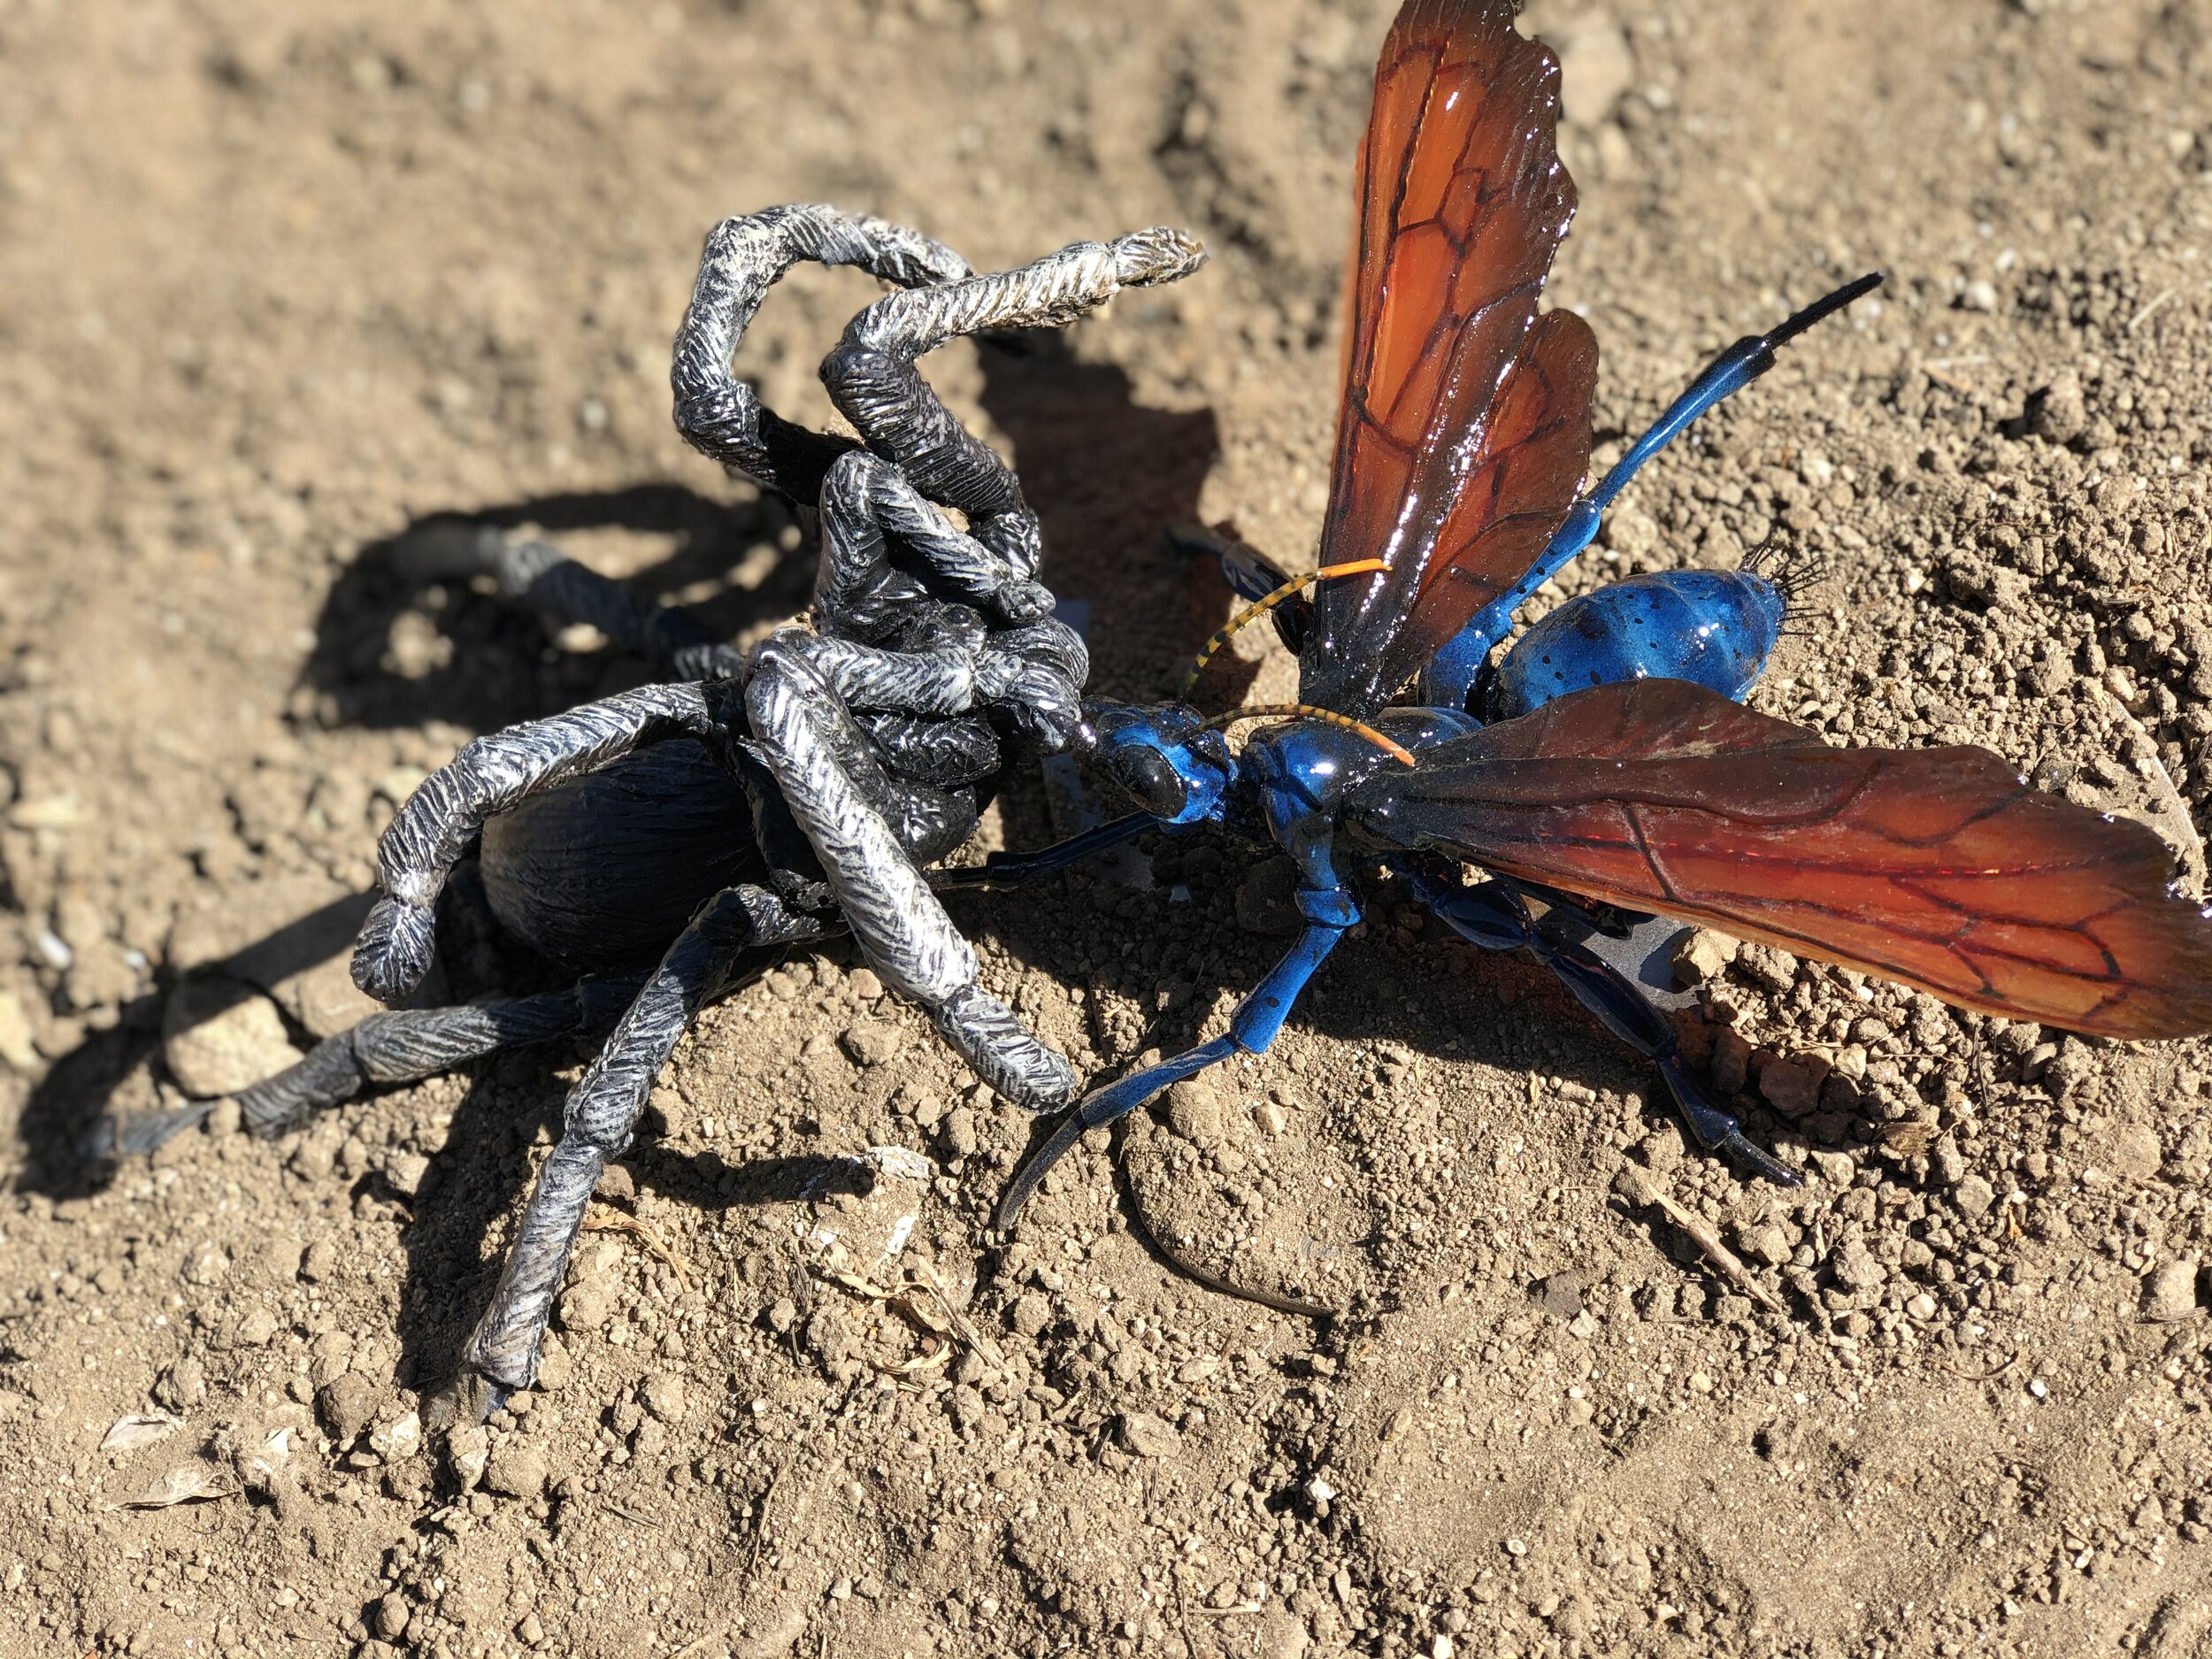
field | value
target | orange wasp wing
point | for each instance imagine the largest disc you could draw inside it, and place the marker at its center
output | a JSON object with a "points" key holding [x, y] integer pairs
{"points": [[1937, 867], [1464, 431]]}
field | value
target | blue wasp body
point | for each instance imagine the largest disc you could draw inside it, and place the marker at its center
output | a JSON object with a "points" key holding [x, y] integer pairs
{"points": [[1292, 783]]}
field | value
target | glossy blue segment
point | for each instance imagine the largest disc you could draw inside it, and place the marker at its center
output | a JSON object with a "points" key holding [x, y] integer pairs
{"points": [[1256, 1024], [1451, 673], [1300, 772], [1259, 1018], [1118, 1099], [1714, 627], [1166, 758], [1494, 916]]}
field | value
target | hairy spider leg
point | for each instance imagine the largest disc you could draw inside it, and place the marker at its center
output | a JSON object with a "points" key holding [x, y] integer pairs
{"points": [[1494, 917], [444, 816], [1253, 1028], [871, 378], [600, 1116], [718, 414], [839, 798], [1451, 673]]}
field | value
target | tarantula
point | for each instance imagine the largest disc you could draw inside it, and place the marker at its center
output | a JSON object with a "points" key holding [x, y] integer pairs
{"points": [[753, 800]]}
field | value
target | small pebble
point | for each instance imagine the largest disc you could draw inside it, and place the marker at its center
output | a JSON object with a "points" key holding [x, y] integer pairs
{"points": [[516, 1469], [390, 1617], [2169, 1294], [1144, 1435], [662, 1394], [219, 1037]]}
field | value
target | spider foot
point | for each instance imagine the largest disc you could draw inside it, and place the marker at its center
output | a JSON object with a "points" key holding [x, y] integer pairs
{"points": [[393, 951], [1002, 1051], [468, 1399], [1160, 253]]}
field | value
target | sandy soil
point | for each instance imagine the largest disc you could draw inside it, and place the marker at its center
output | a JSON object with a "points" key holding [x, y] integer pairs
{"points": [[280, 281]]}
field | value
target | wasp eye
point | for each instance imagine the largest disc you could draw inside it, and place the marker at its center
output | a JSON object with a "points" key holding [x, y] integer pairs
{"points": [[1149, 778]]}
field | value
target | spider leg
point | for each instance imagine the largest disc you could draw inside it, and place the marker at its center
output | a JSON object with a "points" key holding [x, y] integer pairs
{"points": [[1494, 917], [860, 594], [841, 798], [400, 1047], [443, 816], [871, 379], [543, 577], [718, 414], [600, 1116]]}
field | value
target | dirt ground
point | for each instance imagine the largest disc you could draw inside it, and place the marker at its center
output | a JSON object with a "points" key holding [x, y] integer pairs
{"points": [[278, 283]]}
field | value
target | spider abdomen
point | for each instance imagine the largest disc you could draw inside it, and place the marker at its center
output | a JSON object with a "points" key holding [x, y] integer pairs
{"points": [[604, 871]]}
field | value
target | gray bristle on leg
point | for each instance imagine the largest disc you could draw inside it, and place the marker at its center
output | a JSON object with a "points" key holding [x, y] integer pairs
{"points": [[601, 1112], [395, 947], [718, 414], [329, 1073], [440, 821], [999, 1047]]}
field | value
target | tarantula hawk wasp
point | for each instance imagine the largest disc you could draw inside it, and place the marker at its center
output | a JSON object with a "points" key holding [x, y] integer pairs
{"points": [[1612, 770]]}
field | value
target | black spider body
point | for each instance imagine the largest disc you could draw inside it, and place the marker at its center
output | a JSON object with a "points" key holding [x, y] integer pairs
{"points": [[602, 872]]}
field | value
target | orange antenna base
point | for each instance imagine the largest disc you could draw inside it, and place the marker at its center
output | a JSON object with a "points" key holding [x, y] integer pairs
{"points": [[1271, 710]]}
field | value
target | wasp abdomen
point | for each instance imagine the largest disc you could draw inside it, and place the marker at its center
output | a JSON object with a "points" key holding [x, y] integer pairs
{"points": [[1714, 628]]}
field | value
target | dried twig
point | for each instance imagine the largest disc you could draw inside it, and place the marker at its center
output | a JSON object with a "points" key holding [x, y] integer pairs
{"points": [[1634, 1185], [1972, 1376], [628, 1514], [1182, 1609], [616, 1221], [963, 1326], [760, 1522]]}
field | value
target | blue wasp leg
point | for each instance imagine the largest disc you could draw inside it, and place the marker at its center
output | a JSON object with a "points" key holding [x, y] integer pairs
{"points": [[1494, 917], [1252, 1028], [1007, 870], [1451, 673]]}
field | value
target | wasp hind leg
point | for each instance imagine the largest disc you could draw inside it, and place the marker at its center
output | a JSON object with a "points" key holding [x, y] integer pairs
{"points": [[1496, 917]]}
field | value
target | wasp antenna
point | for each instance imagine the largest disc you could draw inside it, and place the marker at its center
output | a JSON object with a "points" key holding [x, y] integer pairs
{"points": [[1260, 606], [1284, 711]]}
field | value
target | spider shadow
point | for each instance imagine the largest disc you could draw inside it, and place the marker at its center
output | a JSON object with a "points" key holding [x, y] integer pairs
{"points": [[489, 663]]}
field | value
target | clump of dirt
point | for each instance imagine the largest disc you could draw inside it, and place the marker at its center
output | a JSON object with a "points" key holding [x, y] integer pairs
{"points": [[284, 282]]}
